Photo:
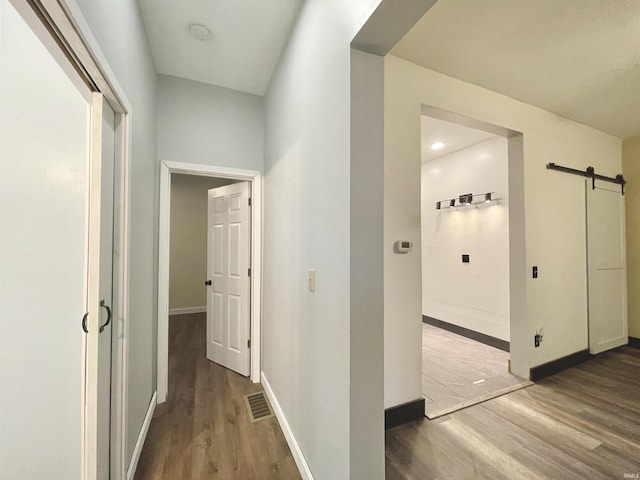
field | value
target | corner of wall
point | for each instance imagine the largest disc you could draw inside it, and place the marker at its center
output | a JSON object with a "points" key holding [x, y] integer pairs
{"points": [[366, 262], [631, 172]]}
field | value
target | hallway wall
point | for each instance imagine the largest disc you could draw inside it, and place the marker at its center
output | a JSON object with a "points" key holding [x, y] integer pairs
{"points": [[631, 172], [205, 124], [307, 225]]}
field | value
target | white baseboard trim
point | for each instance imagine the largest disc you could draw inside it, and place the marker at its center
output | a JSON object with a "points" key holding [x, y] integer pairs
{"points": [[186, 310], [133, 465], [303, 466]]}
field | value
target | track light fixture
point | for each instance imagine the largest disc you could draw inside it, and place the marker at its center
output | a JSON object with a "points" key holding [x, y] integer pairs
{"points": [[467, 199]]}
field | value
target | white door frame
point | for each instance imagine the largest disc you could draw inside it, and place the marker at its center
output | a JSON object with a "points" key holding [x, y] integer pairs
{"points": [[168, 168], [73, 27]]}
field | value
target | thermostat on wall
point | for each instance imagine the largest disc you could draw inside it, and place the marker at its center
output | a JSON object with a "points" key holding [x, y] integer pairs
{"points": [[402, 246]]}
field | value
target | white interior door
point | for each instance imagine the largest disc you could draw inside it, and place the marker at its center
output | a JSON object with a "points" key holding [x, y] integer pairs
{"points": [[44, 166], [228, 283], [607, 277]]}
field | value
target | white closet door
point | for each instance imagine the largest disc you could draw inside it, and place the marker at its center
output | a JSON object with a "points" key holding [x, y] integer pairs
{"points": [[105, 291], [607, 276], [44, 162]]}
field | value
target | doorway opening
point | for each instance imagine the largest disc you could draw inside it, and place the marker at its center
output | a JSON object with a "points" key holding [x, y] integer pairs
{"points": [[194, 292], [188, 242], [465, 263]]}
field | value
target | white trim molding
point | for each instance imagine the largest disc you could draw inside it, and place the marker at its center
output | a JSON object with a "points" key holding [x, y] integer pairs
{"points": [[187, 310], [142, 436], [296, 451], [255, 177]]}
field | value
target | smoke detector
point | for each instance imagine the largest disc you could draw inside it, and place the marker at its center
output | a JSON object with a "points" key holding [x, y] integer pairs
{"points": [[199, 32]]}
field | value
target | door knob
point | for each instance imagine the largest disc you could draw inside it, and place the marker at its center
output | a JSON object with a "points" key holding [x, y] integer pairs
{"points": [[208, 282]]}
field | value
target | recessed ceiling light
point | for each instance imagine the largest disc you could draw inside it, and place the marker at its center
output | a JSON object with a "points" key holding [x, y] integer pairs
{"points": [[199, 32], [437, 146]]}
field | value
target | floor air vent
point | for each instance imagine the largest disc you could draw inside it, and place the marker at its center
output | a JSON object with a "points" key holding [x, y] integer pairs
{"points": [[258, 406]]}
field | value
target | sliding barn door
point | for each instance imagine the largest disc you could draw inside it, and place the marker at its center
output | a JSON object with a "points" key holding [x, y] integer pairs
{"points": [[607, 276]]}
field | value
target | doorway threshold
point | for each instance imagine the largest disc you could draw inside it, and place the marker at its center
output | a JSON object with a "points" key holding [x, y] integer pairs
{"points": [[432, 413]]}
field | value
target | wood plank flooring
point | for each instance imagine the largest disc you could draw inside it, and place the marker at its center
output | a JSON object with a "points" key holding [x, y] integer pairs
{"points": [[203, 430], [583, 423], [458, 372]]}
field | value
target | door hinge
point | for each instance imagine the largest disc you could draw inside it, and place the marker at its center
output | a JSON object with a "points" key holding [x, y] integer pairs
{"points": [[249, 272], [249, 343], [249, 201]]}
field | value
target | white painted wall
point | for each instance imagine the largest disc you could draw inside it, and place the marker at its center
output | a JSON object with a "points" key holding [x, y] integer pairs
{"points": [[200, 123], [554, 215], [307, 225], [118, 28], [473, 295], [188, 239]]}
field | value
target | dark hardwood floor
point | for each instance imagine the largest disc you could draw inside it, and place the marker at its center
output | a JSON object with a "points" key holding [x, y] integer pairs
{"points": [[203, 430], [583, 423]]}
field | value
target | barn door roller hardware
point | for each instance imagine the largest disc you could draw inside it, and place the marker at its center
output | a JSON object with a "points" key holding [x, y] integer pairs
{"points": [[590, 173]]}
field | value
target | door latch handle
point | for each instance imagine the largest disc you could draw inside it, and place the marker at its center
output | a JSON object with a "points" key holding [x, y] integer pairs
{"points": [[102, 304], [208, 282]]}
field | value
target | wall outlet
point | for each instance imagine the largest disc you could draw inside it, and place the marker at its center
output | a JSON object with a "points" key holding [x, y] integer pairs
{"points": [[537, 338]]}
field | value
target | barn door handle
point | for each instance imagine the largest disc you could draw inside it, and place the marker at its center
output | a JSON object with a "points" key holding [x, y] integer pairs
{"points": [[208, 282], [102, 304], [84, 323]]}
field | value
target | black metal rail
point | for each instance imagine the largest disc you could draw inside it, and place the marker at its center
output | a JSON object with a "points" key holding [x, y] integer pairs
{"points": [[590, 173]]}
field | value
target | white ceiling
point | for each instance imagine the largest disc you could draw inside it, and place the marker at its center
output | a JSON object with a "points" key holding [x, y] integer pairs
{"points": [[247, 39], [455, 137], [577, 58]]}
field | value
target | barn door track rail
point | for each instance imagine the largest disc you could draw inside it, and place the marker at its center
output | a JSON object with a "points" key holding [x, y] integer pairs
{"points": [[590, 172]]}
